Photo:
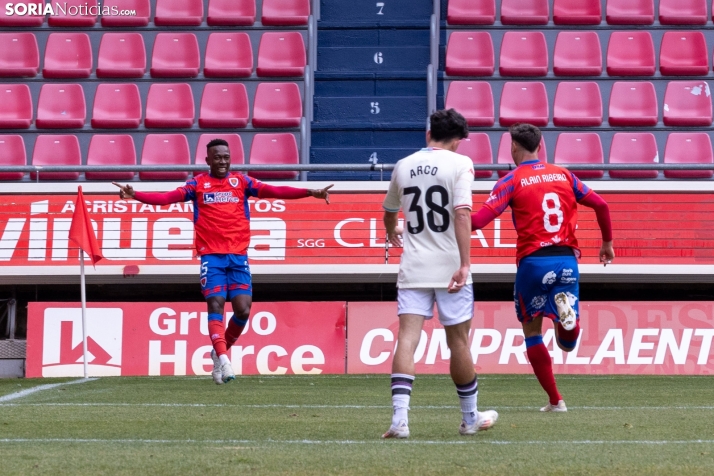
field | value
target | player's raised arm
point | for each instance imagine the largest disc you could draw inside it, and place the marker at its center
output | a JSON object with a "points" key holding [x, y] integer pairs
{"points": [[293, 193], [602, 212], [174, 196], [496, 203]]}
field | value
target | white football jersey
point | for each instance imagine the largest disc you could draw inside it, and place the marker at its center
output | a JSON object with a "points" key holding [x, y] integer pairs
{"points": [[428, 187]]}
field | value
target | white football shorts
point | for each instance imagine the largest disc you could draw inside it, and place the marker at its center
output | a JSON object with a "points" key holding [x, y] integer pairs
{"points": [[453, 308]]}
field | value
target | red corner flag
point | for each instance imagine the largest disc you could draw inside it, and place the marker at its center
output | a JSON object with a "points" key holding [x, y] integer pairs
{"points": [[81, 231]]}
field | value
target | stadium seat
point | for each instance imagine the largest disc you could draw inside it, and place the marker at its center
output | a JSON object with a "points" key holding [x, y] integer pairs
{"points": [[19, 55], [21, 20], [523, 53], [577, 53], [170, 105], [524, 12], [68, 55], [175, 55], [684, 53], [629, 12], [231, 13], [12, 153], [111, 150], [235, 145], [228, 55], [633, 148], [633, 103], [504, 153], [580, 148], [165, 149], [630, 53], [474, 100], [16, 112], [285, 12], [470, 53], [61, 106], [141, 7], [117, 106], [56, 150], [178, 13], [224, 105], [471, 12], [477, 147], [274, 149], [281, 54], [524, 102], [72, 19], [277, 105], [683, 12], [121, 55], [687, 104], [577, 12], [688, 148], [577, 104]]}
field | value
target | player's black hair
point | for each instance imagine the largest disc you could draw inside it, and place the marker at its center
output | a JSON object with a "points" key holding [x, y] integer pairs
{"points": [[527, 135], [216, 142], [448, 125]]}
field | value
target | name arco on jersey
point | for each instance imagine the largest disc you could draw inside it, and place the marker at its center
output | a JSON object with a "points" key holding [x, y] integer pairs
{"points": [[543, 178], [425, 170]]}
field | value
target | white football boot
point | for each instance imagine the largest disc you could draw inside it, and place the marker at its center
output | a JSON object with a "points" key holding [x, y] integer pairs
{"points": [[216, 372], [227, 372], [401, 431], [559, 408], [485, 421], [565, 312]]}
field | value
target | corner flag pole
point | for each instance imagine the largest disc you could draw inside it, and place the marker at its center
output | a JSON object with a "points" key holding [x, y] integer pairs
{"points": [[84, 312]]}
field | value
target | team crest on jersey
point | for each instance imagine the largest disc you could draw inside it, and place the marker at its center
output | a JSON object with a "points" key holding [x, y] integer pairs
{"points": [[538, 166], [203, 282], [233, 181]]}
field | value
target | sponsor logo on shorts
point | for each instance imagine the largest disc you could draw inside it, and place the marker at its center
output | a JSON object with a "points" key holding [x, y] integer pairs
{"points": [[538, 302], [565, 280], [549, 277], [567, 272], [219, 197], [203, 282]]}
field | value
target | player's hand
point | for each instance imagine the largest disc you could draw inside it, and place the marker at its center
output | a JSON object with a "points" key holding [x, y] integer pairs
{"points": [[125, 191], [607, 253], [322, 193], [395, 238], [458, 280]]}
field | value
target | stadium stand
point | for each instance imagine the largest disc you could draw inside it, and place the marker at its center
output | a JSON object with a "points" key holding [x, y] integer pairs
{"points": [[630, 53], [121, 55], [285, 12], [580, 148], [231, 13], [16, 112], [683, 12], [474, 100], [684, 53], [524, 102], [19, 55], [178, 13], [524, 12], [175, 55], [523, 54], [281, 54], [577, 53], [142, 9], [274, 149], [117, 106], [110, 149], [577, 104], [224, 105], [633, 148], [471, 12], [470, 53], [633, 103], [477, 147], [68, 55], [688, 148], [56, 150], [277, 105], [630, 12], [170, 105], [61, 106], [577, 12], [504, 153], [229, 55], [12, 153], [688, 104], [165, 149]]}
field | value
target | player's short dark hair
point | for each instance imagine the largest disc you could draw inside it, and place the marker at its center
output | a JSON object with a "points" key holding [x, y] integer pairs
{"points": [[526, 135], [448, 125], [216, 142]]}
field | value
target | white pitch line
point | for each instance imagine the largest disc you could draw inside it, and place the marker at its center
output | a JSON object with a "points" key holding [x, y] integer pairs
{"points": [[39, 388]]}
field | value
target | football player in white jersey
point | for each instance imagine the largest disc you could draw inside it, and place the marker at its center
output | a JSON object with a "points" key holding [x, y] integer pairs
{"points": [[433, 189]]}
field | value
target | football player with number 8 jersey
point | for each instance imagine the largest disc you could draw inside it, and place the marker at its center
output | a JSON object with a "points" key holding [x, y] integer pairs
{"points": [[544, 202]]}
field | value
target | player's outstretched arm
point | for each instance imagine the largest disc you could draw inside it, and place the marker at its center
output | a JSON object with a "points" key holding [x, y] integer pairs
{"points": [[127, 191], [462, 224], [602, 212], [292, 193], [482, 218]]}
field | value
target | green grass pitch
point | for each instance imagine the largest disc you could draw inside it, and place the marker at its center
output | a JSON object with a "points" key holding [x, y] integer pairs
{"points": [[332, 425]]}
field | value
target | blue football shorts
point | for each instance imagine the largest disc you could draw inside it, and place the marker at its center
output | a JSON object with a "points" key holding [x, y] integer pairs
{"points": [[539, 279], [225, 275]]}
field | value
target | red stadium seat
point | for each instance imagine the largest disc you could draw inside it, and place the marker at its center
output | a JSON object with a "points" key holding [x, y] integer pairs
{"points": [[111, 150], [68, 55], [141, 7], [66, 13], [14, 20], [274, 149], [224, 105], [683, 12], [580, 148], [277, 105], [121, 55], [630, 53], [235, 145], [633, 103], [471, 12], [687, 104], [524, 102], [281, 54], [285, 12], [228, 55], [61, 106], [56, 150], [504, 153], [170, 105], [630, 12], [633, 148], [477, 147], [175, 55], [524, 12], [231, 12], [523, 53], [470, 53], [19, 55], [12, 154], [577, 12], [577, 104], [117, 106], [178, 13], [577, 53], [165, 149], [684, 53], [688, 148], [16, 112], [474, 100]]}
